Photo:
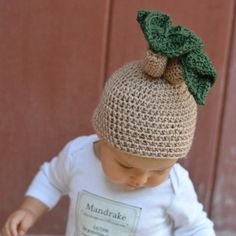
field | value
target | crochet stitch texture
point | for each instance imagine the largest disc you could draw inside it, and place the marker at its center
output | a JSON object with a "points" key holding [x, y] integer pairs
{"points": [[144, 116], [148, 108], [180, 42]]}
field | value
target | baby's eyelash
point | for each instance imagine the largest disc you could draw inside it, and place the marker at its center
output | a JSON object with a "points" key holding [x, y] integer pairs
{"points": [[159, 171], [126, 167]]}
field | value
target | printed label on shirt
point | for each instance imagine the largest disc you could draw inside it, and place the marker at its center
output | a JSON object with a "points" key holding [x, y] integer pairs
{"points": [[98, 216]]}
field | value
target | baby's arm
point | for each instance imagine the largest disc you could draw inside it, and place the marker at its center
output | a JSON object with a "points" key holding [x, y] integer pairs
{"points": [[47, 187], [22, 219], [187, 212]]}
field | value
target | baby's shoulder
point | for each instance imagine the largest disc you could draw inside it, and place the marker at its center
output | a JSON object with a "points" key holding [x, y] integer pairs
{"points": [[78, 144], [180, 178]]}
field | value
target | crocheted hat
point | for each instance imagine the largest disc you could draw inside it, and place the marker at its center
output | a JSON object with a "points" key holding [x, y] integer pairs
{"points": [[148, 107]]}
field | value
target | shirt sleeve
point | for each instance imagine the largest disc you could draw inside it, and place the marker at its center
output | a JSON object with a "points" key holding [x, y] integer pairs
{"points": [[52, 180], [187, 213]]}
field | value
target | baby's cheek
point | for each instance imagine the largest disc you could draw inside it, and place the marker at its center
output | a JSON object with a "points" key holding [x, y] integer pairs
{"points": [[115, 175]]}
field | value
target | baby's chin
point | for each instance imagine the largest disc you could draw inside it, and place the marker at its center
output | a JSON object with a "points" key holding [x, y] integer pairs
{"points": [[130, 187], [126, 187]]}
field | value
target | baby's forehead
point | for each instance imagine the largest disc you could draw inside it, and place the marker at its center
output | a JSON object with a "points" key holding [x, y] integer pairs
{"points": [[140, 162], [145, 162]]}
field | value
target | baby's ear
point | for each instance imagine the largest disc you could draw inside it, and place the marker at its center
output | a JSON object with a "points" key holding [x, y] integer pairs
{"points": [[174, 72]]}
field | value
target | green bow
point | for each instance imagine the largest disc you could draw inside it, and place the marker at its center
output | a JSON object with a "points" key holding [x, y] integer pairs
{"points": [[199, 73]]}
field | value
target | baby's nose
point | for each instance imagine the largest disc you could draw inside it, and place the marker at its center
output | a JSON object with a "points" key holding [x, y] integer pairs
{"points": [[139, 179]]}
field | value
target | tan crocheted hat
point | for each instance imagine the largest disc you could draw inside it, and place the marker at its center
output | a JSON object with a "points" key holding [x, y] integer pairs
{"points": [[147, 109]]}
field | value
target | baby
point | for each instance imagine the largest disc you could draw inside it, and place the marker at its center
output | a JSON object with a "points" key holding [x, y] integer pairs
{"points": [[125, 179]]}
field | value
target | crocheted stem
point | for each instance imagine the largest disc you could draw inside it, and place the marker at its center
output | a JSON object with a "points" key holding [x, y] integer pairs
{"points": [[154, 64], [174, 72]]}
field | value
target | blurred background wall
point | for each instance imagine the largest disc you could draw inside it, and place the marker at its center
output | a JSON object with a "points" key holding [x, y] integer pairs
{"points": [[55, 56]]}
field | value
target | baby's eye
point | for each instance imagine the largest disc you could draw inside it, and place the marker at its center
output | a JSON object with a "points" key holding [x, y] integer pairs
{"points": [[125, 167], [159, 171]]}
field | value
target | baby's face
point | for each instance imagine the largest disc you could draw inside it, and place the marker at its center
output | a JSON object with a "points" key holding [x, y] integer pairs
{"points": [[130, 171]]}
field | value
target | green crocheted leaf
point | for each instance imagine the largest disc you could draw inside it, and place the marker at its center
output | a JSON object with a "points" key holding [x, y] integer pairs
{"points": [[200, 62], [199, 74], [155, 27], [181, 40], [163, 38], [169, 41]]}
